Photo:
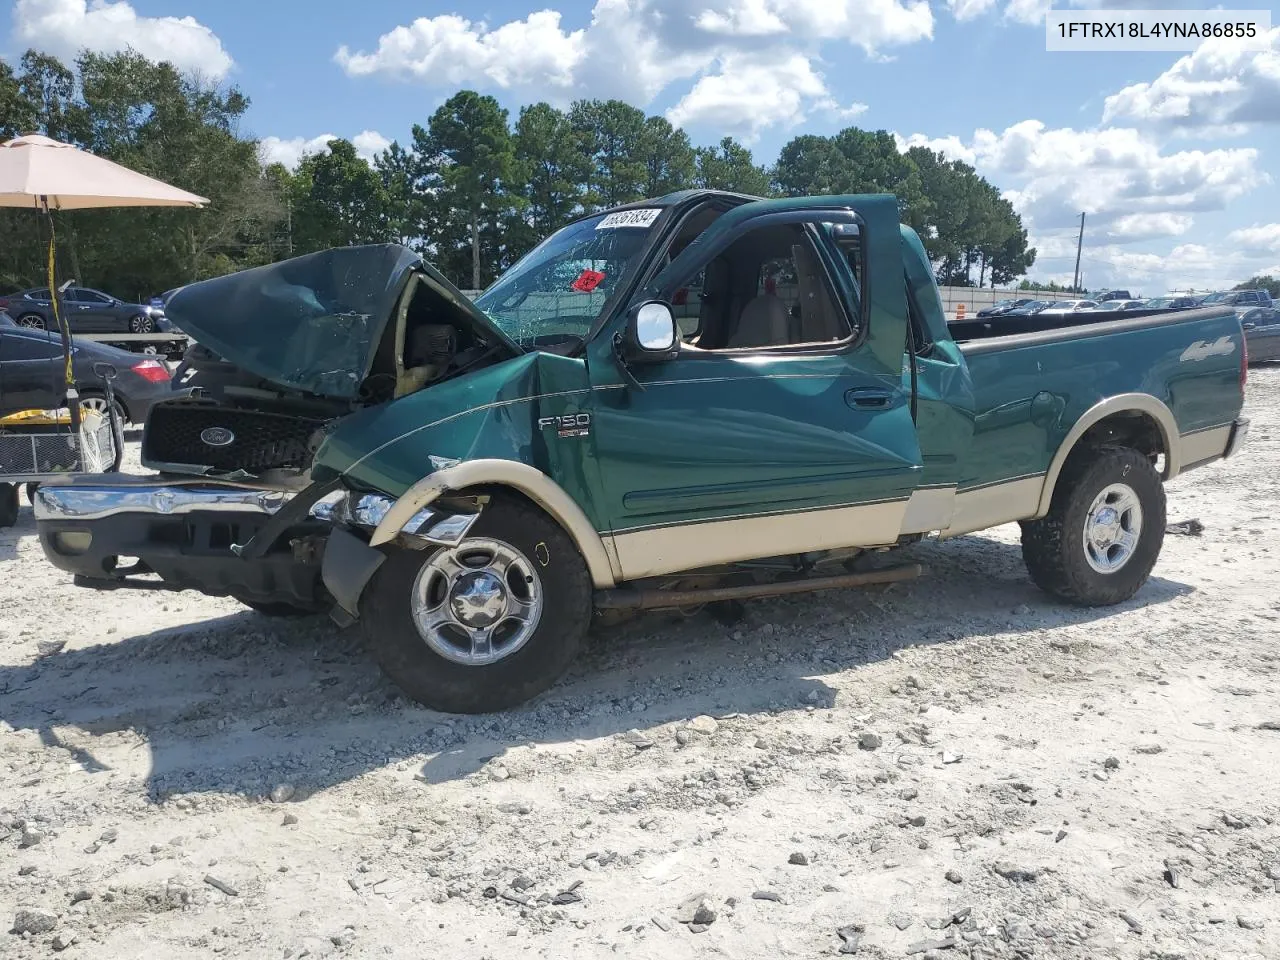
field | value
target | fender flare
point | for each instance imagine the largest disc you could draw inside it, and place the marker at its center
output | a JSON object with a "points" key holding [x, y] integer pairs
{"points": [[533, 483], [1143, 403]]}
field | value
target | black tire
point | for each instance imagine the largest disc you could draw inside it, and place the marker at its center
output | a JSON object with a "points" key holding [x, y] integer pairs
{"points": [[1053, 547], [8, 504], [31, 489], [32, 320], [142, 324], [279, 609], [441, 684]]}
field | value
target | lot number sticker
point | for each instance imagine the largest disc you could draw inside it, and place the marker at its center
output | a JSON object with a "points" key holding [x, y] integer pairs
{"points": [[629, 218]]}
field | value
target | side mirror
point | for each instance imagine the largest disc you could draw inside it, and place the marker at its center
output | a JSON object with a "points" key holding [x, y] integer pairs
{"points": [[651, 332]]}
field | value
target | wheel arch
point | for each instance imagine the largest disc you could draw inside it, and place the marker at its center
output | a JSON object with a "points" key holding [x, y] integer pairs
{"points": [[1138, 414], [525, 480]]}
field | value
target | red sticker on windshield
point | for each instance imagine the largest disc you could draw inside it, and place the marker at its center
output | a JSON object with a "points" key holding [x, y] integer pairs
{"points": [[587, 281]]}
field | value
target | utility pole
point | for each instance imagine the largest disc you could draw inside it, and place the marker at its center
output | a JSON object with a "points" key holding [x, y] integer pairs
{"points": [[1075, 284]]}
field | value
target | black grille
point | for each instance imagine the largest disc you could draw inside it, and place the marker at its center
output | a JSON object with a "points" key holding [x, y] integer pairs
{"points": [[261, 441]]}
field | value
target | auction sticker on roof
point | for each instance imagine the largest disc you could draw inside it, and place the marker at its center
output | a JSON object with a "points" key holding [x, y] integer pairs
{"points": [[630, 218]]}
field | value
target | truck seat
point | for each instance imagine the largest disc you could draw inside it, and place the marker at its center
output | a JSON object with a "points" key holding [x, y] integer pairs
{"points": [[764, 322]]}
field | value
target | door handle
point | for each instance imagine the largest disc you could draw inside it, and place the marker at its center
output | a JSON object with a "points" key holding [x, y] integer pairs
{"points": [[869, 398]]}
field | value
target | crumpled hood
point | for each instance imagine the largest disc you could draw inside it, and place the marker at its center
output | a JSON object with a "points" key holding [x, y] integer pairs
{"points": [[313, 323]]}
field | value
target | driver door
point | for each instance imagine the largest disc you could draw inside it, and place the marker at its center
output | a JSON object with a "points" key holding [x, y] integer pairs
{"points": [[786, 428]]}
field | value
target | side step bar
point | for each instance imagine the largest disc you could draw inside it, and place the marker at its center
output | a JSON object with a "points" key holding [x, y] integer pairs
{"points": [[630, 599]]}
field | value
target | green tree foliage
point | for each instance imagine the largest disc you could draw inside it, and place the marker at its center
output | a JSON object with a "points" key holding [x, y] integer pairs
{"points": [[972, 234], [468, 158], [468, 188], [1263, 282], [337, 199], [730, 167]]}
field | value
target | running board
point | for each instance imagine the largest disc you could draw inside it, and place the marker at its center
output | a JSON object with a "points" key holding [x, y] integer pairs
{"points": [[631, 599]]}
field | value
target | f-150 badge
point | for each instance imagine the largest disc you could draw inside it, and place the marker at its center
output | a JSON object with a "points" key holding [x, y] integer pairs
{"points": [[570, 425], [1203, 350]]}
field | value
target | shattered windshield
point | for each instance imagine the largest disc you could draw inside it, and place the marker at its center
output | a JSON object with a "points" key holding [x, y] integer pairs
{"points": [[311, 323], [559, 287]]}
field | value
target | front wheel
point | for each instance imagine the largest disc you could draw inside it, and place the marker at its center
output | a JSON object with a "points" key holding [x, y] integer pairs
{"points": [[32, 320], [484, 625], [1103, 532]]}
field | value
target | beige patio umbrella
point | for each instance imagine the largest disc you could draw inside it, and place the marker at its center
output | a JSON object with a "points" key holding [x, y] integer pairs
{"points": [[45, 175]]}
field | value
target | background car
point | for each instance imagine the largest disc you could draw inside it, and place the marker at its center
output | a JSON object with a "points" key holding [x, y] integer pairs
{"points": [[88, 311], [1261, 333], [1113, 295], [31, 374], [1070, 306], [1123, 305], [1238, 298], [1001, 307], [1171, 303], [1027, 309]]}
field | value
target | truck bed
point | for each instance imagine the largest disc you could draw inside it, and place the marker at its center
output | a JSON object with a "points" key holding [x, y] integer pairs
{"points": [[1029, 389], [965, 331]]}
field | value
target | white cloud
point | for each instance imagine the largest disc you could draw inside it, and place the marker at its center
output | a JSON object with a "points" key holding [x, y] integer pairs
{"points": [[450, 50], [368, 144], [635, 49], [1263, 237], [746, 97], [1218, 89], [1145, 226], [1113, 173], [65, 27]]}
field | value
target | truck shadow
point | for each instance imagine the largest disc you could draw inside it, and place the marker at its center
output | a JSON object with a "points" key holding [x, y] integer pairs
{"points": [[237, 704]]}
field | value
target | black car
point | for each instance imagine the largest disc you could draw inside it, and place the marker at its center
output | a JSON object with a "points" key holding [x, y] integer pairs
{"points": [[1261, 332], [1171, 303], [31, 374], [88, 311], [1112, 295], [1029, 308], [1001, 307], [1240, 299]]}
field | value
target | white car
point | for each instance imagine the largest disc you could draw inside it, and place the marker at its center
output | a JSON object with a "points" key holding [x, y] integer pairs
{"points": [[1068, 306], [1122, 305]]}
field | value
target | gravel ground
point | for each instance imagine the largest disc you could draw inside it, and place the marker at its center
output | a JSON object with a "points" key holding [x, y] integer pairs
{"points": [[953, 767]]}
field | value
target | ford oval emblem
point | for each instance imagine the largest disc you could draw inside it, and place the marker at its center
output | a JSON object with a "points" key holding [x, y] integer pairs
{"points": [[217, 437]]}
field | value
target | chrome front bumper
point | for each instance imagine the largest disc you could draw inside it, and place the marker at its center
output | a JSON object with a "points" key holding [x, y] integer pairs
{"points": [[97, 499], [86, 499]]}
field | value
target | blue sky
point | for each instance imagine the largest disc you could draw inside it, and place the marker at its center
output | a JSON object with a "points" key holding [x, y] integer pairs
{"points": [[1175, 157]]}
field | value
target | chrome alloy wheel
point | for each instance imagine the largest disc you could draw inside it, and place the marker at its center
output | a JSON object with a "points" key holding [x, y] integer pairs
{"points": [[477, 603], [1112, 528]]}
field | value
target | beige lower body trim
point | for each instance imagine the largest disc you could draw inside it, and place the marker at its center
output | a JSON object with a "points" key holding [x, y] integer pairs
{"points": [[688, 546], [929, 510], [1204, 445], [994, 505]]}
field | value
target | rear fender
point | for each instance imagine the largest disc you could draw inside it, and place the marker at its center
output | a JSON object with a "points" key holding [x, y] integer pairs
{"points": [[531, 482], [1142, 403]]}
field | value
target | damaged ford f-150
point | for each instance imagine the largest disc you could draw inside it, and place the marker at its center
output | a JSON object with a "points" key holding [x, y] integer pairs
{"points": [[685, 400]]}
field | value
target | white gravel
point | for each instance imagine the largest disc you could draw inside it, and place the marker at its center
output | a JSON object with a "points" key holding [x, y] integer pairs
{"points": [[185, 778]]}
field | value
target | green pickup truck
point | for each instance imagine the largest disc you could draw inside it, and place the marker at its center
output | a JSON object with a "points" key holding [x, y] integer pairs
{"points": [[695, 399]]}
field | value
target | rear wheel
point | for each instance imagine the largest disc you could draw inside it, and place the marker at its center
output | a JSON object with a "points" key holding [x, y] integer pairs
{"points": [[1103, 533], [142, 324], [8, 504], [486, 624]]}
